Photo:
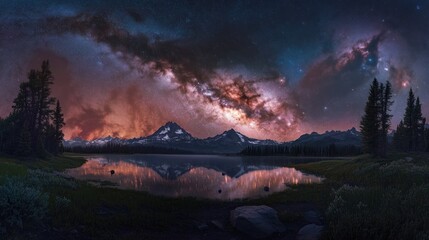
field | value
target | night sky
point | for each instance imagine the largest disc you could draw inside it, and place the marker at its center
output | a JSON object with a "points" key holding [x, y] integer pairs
{"points": [[269, 69]]}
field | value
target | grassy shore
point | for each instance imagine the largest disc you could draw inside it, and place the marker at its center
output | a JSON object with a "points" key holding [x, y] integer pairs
{"points": [[376, 198], [361, 198]]}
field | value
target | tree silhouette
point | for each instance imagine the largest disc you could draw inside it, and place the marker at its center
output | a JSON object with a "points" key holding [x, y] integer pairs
{"points": [[410, 134], [58, 122], [369, 124], [419, 127], [34, 126], [385, 116], [375, 123]]}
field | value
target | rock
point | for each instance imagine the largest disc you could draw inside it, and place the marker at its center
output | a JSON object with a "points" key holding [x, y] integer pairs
{"points": [[409, 159], [312, 217], [266, 189], [203, 227], [218, 224], [256, 221], [310, 232]]}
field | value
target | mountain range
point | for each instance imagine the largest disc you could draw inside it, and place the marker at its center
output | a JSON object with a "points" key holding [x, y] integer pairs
{"points": [[171, 135], [349, 137]]}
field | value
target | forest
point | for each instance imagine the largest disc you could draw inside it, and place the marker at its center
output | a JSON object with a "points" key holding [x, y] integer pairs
{"points": [[34, 127], [332, 150], [126, 149]]}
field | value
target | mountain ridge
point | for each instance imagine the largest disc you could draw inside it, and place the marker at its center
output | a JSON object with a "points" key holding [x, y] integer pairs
{"points": [[171, 135]]}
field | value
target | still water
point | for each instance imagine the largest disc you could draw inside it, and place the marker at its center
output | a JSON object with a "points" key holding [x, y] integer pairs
{"points": [[202, 176]]}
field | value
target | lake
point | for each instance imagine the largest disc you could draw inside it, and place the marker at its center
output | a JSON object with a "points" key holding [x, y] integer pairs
{"points": [[201, 176]]}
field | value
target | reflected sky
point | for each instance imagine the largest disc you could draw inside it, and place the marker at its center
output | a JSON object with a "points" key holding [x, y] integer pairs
{"points": [[214, 177]]}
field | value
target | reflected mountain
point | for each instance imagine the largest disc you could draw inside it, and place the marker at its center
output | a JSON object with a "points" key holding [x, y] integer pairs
{"points": [[216, 177]]}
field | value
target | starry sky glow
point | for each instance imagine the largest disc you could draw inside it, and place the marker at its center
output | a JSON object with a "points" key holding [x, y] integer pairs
{"points": [[269, 69]]}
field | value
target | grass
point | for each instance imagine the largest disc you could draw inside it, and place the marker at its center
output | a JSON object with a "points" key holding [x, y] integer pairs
{"points": [[380, 189], [58, 163], [13, 166], [375, 198], [10, 168], [106, 213], [106, 209]]}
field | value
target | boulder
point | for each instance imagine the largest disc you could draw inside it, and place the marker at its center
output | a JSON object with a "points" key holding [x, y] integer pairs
{"points": [[256, 221], [218, 224], [310, 232], [202, 227], [312, 217]]}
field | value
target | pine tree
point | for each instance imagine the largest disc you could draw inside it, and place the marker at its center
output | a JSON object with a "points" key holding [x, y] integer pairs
{"points": [[426, 131], [370, 123], [45, 102], [399, 138], [33, 118], [410, 134], [59, 123], [409, 122], [385, 116], [375, 123], [24, 142]]}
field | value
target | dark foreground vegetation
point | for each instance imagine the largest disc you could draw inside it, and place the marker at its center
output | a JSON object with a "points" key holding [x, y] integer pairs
{"points": [[361, 198], [382, 198], [34, 127]]}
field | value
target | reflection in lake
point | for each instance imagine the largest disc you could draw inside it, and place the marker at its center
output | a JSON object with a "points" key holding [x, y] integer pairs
{"points": [[216, 177]]}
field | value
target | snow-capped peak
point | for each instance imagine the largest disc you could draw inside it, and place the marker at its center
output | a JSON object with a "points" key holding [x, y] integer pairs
{"points": [[165, 130], [171, 131]]}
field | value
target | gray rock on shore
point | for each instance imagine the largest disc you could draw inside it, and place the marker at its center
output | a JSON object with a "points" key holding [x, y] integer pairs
{"points": [[256, 221], [310, 232]]}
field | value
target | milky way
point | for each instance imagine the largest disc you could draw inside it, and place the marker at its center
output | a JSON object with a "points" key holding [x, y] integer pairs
{"points": [[270, 70]]}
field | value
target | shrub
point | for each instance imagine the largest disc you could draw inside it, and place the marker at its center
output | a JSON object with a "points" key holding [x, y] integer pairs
{"points": [[44, 179], [21, 206], [60, 205], [379, 213]]}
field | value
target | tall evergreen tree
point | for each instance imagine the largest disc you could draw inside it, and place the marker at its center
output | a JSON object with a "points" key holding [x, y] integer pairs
{"points": [[399, 138], [24, 142], [375, 123], [43, 109], [410, 136], [58, 122], [385, 116], [409, 122], [419, 127], [34, 126], [370, 123]]}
